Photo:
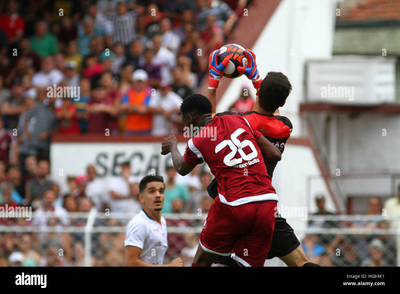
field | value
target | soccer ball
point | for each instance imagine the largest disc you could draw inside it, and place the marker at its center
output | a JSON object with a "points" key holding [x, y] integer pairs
{"points": [[238, 58]]}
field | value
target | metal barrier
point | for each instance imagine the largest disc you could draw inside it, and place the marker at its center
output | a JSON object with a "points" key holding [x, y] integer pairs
{"points": [[97, 239]]}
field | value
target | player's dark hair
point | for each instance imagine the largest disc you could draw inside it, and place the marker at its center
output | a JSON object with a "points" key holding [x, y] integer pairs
{"points": [[148, 179], [196, 104], [274, 90]]}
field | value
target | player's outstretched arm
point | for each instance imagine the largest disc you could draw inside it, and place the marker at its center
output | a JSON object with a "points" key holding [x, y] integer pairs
{"points": [[170, 145], [270, 152], [215, 73]]}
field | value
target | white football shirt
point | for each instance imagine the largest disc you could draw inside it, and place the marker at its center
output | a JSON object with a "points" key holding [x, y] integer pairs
{"points": [[148, 235]]}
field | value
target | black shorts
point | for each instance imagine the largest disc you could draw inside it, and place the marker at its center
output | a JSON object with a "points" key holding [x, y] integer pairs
{"points": [[284, 242]]}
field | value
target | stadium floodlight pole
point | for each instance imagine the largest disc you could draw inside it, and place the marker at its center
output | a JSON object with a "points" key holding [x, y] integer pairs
{"points": [[88, 236]]}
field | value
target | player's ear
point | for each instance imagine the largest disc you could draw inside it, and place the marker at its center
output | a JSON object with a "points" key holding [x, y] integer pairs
{"points": [[141, 198]]}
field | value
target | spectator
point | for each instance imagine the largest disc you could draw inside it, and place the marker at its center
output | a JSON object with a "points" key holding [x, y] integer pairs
{"points": [[71, 74], [163, 58], [134, 54], [324, 240], [73, 10], [48, 208], [36, 187], [85, 35], [15, 259], [95, 189], [85, 204], [180, 84], [78, 254], [225, 16], [346, 254], [44, 124], [101, 112], [185, 17], [135, 104], [169, 38], [72, 55], [392, 209], [124, 24], [66, 114], [68, 32], [189, 251], [14, 106], [81, 182], [29, 168], [5, 94], [375, 257], [119, 59], [24, 50], [7, 203], [174, 8], [42, 42], [80, 104], [51, 257], [103, 27], [59, 61], [22, 138], [124, 191], [245, 102], [153, 17], [312, 249], [173, 190], [48, 76], [12, 23], [70, 203], [165, 106], [15, 180], [212, 35], [106, 79], [153, 71], [125, 81], [92, 67], [194, 202], [8, 144], [31, 256]]}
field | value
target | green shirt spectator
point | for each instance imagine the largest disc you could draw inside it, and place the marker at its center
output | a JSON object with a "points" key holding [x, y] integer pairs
{"points": [[42, 42]]}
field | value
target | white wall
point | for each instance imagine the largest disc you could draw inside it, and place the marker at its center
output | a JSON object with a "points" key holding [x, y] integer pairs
{"points": [[297, 31]]}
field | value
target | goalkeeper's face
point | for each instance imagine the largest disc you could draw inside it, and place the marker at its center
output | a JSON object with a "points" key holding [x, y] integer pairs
{"points": [[153, 196]]}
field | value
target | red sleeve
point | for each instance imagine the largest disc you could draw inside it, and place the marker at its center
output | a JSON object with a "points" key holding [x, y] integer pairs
{"points": [[257, 134], [190, 155]]}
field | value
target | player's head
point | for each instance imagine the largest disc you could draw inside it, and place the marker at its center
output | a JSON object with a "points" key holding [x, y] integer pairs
{"points": [[152, 192], [193, 108], [274, 90]]}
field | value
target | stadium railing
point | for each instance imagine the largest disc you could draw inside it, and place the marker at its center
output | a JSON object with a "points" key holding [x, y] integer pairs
{"points": [[97, 239]]}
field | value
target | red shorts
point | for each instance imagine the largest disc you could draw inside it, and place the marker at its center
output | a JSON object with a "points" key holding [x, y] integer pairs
{"points": [[244, 232]]}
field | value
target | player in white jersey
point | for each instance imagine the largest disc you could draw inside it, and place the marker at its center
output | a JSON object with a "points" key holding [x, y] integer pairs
{"points": [[146, 234]]}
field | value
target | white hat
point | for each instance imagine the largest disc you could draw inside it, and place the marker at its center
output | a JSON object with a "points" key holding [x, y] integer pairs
{"points": [[140, 75], [16, 257]]}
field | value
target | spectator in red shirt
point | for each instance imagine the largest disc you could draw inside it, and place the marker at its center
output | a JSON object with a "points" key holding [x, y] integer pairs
{"points": [[92, 67], [101, 112], [66, 115], [12, 23]]}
